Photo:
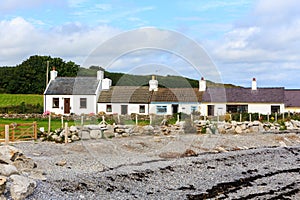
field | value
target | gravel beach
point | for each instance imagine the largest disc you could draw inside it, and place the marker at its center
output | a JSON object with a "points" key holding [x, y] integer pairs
{"points": [[246, 166]]}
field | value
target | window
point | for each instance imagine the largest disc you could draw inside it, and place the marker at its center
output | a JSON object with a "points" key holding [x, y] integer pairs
{"points": [[142, 108], [237, 108], [108, 108], [193, 109], [55, 103], [161, 109], [275, 109], [82, 102]]}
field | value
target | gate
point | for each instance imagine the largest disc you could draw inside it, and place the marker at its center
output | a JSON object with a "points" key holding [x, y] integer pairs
{"points": [[17, 132]]}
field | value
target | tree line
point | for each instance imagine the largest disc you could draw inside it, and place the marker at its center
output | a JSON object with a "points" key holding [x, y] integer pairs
{"points": [[29, 77]]}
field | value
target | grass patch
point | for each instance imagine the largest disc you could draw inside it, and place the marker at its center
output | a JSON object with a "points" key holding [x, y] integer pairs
{"points": [[55, 123], [17, 99]]}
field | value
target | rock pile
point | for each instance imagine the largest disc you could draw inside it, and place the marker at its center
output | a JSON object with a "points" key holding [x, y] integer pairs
{"points": [[59, 135], [235, 127], [18, 174]]}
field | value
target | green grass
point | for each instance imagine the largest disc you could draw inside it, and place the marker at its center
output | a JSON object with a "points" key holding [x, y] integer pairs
{"points": [[17, 99], [55, 123]]}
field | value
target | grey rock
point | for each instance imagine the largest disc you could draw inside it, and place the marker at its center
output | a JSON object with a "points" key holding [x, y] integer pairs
{"points": [[21, 187], [8, 170], [84, 135], [2, 184], [95, 134]]}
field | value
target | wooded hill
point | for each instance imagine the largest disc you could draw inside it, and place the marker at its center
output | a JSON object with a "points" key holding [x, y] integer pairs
{"points": [[29, 77]]}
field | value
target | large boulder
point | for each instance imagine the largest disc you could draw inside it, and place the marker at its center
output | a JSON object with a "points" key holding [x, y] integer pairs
{"points": [[21, 187], [3, 181], [7, 170]]}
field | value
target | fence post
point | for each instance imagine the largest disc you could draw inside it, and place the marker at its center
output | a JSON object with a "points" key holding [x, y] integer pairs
{"points": [[240, 117], [150, 116], [81, 122], [6, 134], [250, 117], [136, 119], [268, 117], [62, 121], [282, 116], [275, 116], [66, 132], [35, 130], [258, 116], [49, 124], [13, 133]]}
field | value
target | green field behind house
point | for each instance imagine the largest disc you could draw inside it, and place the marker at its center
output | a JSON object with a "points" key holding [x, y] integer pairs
{"points": [[17, 99]]}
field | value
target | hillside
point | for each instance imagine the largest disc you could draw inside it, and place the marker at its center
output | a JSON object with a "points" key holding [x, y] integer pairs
{"points": [[29, 77], [169, 81]]}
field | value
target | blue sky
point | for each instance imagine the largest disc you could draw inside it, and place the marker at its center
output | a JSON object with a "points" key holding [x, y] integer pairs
{"points": [[243, 38]]}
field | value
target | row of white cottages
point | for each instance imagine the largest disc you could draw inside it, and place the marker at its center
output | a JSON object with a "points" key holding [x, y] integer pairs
{"points": [[85, 95]]}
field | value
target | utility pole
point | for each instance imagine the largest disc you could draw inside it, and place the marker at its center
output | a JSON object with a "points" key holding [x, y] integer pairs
{"points": [[47, 73]]}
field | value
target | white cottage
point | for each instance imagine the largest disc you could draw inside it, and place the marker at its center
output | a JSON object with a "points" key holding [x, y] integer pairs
{"points": [[218, 101], [78, 95], [149, 100]]}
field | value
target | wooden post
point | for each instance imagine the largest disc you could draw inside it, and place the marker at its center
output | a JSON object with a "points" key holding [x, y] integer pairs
{"points": [[275, 116], [258, 116], [282, 116], [66, 132], [150, 116], [268, 117], [62, 121], [49, 124], [6, 134], [35, 130], [240, 117], [13, 133], [136, 119], [250, 117], [119, 119], [218, 118], [289, 114], [81, 122]]}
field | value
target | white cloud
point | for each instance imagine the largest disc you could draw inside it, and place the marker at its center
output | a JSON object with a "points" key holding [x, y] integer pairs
{"points": [[20, 39]]}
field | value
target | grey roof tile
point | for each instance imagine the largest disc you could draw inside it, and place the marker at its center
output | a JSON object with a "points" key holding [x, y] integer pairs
{"points": [[292, 98], [73, 85]]}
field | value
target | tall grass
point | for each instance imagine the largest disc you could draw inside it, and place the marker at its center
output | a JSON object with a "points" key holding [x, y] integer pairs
{"points": [[17, 99]]}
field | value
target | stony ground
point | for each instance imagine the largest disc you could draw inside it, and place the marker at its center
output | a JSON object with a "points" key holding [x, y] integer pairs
{"points": [[252, 166]]}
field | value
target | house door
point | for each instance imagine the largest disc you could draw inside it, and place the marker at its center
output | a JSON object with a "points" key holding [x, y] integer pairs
{"points": [[67, 106], [210, 110], [174, 108], [124, 109]]}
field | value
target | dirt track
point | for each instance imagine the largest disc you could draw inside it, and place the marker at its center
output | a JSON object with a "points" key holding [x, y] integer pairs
{"points": [[151, 167]]}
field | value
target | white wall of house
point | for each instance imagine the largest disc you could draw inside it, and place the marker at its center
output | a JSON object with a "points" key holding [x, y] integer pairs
{"points": [[116, 108], [74, 104], [182, 107], [219, 109], [292, 109], [90, 104], [263, 108]]}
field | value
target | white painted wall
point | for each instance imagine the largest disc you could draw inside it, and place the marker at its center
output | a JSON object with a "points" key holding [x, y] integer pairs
{"points": [[182, 107], [116, 108], [219, 108], [292, 109], [263, 108], [74, 102]]}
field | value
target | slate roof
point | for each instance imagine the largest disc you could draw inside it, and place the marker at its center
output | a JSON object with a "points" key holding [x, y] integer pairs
{"points": [[292, 98], [177, 95], [72, 85], [244, 95], [125, 94]]}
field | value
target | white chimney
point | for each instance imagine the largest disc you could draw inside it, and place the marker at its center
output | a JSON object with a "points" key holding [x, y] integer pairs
{"points": [[153, 84], [202, 85], [100, 75], [53, 74], [254, 84], [106, 84]]}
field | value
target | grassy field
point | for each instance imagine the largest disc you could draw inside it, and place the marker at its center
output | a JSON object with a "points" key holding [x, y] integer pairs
{"points": [[55, 123], [17, 99]]}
